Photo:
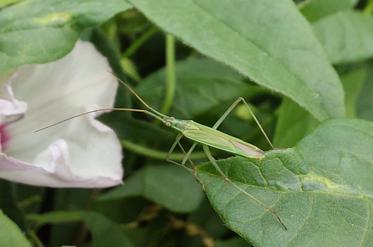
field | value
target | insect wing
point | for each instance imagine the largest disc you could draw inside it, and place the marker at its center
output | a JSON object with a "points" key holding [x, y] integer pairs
{"points": [[222, 141]]}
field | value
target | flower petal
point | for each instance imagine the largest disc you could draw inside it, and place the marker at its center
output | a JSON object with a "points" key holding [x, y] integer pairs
{"points": [[92, 160], [81, 78], [9, 105], [79, 153]]}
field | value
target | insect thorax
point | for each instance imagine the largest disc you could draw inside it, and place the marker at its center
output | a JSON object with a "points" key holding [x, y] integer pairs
{"points": [[182, 125]]}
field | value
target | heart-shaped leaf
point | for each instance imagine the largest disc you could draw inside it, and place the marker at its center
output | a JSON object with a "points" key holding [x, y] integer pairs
{"points": [[104, 231], [346, 36], [39, 31], [365, 99], [316, 9], [169, 186], [294, 122], [197, 80], [321, 189], [10, 234], [268, 41]]}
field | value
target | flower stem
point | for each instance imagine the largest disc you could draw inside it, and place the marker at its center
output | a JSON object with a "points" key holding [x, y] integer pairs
{"points": [[170, 74], [155, 154], [35, 239], [368, 8], [139, 42]]}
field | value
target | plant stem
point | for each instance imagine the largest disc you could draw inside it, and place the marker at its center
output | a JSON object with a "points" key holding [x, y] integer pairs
{"points": [[155, 154], [139, 42], [170, 74], [302, 4], [35, 239], [29, 201], [368, 8]]}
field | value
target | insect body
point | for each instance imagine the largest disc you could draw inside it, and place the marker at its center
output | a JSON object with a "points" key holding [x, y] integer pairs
{"points": [[201, 134], [217, 139]]}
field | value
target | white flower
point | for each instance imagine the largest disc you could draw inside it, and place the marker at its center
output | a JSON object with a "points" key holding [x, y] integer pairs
{"points": [[79, 153]]}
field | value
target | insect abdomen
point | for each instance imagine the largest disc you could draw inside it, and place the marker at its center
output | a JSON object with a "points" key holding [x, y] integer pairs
{"points": [[217, 139]]}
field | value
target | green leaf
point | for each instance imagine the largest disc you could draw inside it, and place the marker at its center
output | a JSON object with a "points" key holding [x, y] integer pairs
{"points": [[268, 41], [233, 242], [202, 84], [353, 83], [292, 125], [7, 2], [170, 186], [9, 204], [314, 10], [365, 99], [104, 231], [321, 189], [39, 31], [10, 234], [294, 122], [346, 36]]}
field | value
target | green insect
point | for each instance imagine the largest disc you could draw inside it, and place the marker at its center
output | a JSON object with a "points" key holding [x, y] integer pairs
{"points": [[200, 134]]}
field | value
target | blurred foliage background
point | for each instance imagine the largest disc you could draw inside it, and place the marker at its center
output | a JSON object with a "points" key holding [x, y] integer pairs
{"points": [[160, 204]]}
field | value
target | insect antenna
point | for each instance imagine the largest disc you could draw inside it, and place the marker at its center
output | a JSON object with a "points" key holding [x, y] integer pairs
{"points": [[99, 110], [241, 190], [136, 95], [152, 112]]}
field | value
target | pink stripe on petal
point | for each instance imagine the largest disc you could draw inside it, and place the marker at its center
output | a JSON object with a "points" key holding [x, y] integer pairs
{"points": [[4, 137]]}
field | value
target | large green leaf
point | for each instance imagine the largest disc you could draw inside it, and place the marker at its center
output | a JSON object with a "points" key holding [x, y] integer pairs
{"points": [[7, 2], [294, 122], [233, 242], [353, 83], [39, 31], [346, 36], [267, 40], [365, 99], [321, 189], [9, 204], [292, 125], [170, 186], [317, 9], [104, 231], [202, 84], [10, 234]]}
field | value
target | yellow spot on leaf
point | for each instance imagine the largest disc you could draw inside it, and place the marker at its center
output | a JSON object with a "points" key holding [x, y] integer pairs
{"points": [[312, 181], [54, 19]]}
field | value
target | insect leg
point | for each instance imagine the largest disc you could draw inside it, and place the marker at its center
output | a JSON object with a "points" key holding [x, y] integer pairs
{"points": [[177, 142], [231, 108], [216, 125], [187, 156], [213, 162], [189, 153], [256, 121], [183, 166], [226, 113]]}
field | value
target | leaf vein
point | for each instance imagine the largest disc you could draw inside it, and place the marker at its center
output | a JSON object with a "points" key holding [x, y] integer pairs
{"points": [[304, 222], [368, 225]]}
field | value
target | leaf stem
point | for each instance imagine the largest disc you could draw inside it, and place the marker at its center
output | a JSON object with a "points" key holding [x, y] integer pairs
{"points": [[29, 201], [139, 42], [155, 154], [368, 8], [170, 74], [34, 238]]}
